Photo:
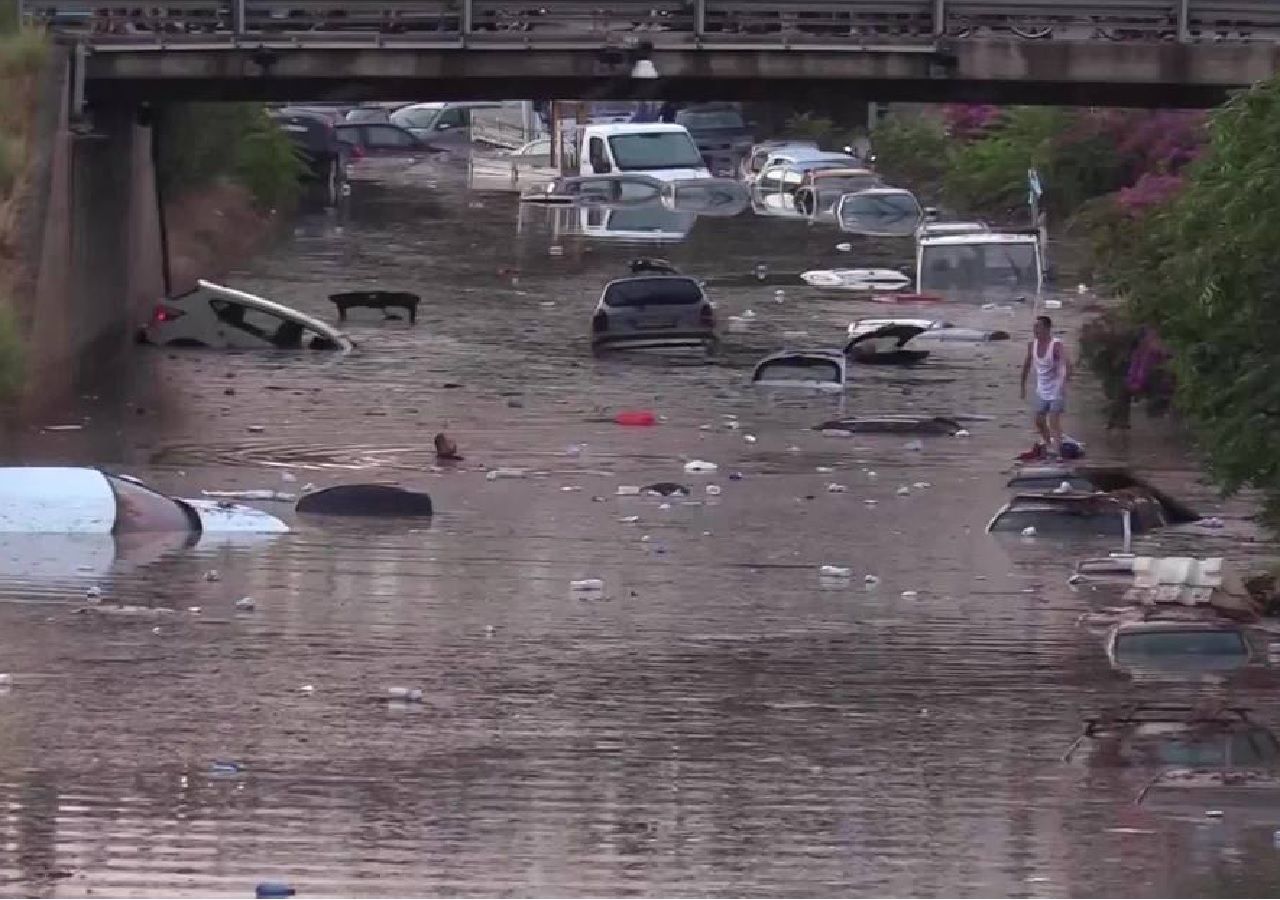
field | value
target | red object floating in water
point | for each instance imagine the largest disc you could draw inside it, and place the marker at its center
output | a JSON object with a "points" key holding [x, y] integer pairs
{"points": [[635, 417]]}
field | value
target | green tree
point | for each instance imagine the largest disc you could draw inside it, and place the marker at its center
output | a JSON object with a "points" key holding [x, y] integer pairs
{"points": [[913, 151], [201, 142], [1202, 268]]}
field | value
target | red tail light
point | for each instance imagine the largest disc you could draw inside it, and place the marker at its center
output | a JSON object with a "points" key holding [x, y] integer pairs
{"points": [[707, 315], [162, 314], [600, 321], [357, 152]]}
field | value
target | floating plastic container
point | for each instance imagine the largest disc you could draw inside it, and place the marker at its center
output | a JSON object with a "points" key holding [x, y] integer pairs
{"points": [[636, 418], [587, 586], [834, 572], [268, 889], [700, 467], [409, 695]]}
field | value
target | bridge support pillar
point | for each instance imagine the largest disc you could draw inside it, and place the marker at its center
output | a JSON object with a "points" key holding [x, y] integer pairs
{"points": [[699, 18], [939, 18], [1184, 21], [238, 23], [465, 17]]}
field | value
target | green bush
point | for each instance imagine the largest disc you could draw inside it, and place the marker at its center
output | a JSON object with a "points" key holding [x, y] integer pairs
{"points": [[201, 142], [990, 175], [913, 151], [1202, 268]]}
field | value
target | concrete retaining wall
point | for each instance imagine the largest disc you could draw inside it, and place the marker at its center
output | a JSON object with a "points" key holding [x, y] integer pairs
{"points": [[93, 249]]}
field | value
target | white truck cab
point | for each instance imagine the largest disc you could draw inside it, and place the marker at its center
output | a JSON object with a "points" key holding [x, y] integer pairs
{"points": [[659, 150]]}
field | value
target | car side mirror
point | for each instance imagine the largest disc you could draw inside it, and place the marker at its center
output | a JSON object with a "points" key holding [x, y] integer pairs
{"points": [[444, 126]]}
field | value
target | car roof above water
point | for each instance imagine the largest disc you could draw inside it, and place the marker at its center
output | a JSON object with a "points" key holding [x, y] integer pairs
{"points": [[262, 303], [55, 499]]}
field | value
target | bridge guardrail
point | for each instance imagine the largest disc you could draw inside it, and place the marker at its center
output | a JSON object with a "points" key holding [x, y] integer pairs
{"points": [[124, 23]]}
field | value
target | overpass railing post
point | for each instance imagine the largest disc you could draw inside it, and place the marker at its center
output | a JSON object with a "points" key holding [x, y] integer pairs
{"points": [[238, 23], [939, 18], [699, 18], [465, 18], [1184, 21]]}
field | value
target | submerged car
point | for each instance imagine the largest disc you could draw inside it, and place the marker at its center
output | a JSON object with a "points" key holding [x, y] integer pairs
{"points": [[892, 424], [716, 197], [786, 172], [816, 370], [374, 149], [765, 152], [64, 499], [887, 345], [608, 190], [1174, 643], [210, 315], [931, 331], [1119, 513], [1098, 479], [653, 311], [821, 189], [1161, 735], [880, 212]]}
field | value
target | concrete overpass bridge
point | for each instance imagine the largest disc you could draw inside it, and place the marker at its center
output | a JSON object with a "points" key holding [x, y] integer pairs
{"points": [[1088, 52]]}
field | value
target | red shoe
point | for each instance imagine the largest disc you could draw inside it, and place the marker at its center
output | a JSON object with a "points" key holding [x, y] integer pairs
{"points": [[1035, 453]]}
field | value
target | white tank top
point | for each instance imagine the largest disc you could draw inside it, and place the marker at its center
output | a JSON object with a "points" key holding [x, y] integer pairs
{"points": [[1049, 371]]}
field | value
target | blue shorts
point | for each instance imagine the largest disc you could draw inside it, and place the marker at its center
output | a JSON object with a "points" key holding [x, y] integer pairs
{"points": [[1056, 405]]}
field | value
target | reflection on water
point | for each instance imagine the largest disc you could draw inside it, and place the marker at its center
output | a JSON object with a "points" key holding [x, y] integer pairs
{"points": [[716, 722]]}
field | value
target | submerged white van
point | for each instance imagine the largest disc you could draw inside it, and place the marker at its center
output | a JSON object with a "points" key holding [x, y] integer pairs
{"points": [[656, 149], [990, 263]]}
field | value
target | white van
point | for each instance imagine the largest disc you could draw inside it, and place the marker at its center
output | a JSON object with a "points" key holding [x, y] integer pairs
{"points": [[991, 263], [663, 151]]}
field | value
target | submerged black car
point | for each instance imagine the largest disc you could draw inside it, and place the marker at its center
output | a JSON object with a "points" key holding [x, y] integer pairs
{"points": [[315, 140]]}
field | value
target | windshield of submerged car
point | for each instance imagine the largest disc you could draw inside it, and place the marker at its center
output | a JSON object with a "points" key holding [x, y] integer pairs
{"points": [[655, 150], [1223, 645], [975, 266], [800, 369], [139, 508], [894, 206], [1253, 748], [1062, 520]]}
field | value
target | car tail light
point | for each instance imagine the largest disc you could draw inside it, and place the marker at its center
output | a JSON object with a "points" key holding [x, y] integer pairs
{"points": [[357, 152], [600, 321], [707, 315], [162, 314]]}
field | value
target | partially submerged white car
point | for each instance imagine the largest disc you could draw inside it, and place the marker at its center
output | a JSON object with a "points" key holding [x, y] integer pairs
{"points": [[814, 370], [65, 500], [931, 331], [211, 315]]}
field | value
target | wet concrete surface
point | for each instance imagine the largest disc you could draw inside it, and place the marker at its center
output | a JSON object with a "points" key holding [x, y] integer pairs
{"points": [[722, 722]]}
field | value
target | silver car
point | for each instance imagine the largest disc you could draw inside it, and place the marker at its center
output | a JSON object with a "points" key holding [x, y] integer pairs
{"points": [[653, 311]]}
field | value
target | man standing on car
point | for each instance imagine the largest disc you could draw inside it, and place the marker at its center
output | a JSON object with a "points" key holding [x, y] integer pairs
{"points": [[1052, 367]]}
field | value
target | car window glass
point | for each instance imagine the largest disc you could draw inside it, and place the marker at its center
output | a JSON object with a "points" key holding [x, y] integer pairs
{"points": [[800, 369], [454, 117], [596, 154], [1182, 643], [139, 508], [387, 136], [253, 321], [653, 292], [314, 340], [422, 117]]}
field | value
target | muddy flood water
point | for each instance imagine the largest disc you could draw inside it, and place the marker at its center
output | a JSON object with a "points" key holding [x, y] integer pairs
{"points": [[721, 723]]}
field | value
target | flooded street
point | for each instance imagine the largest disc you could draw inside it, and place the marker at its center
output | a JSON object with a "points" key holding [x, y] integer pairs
{"points": [[721, 723]]}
